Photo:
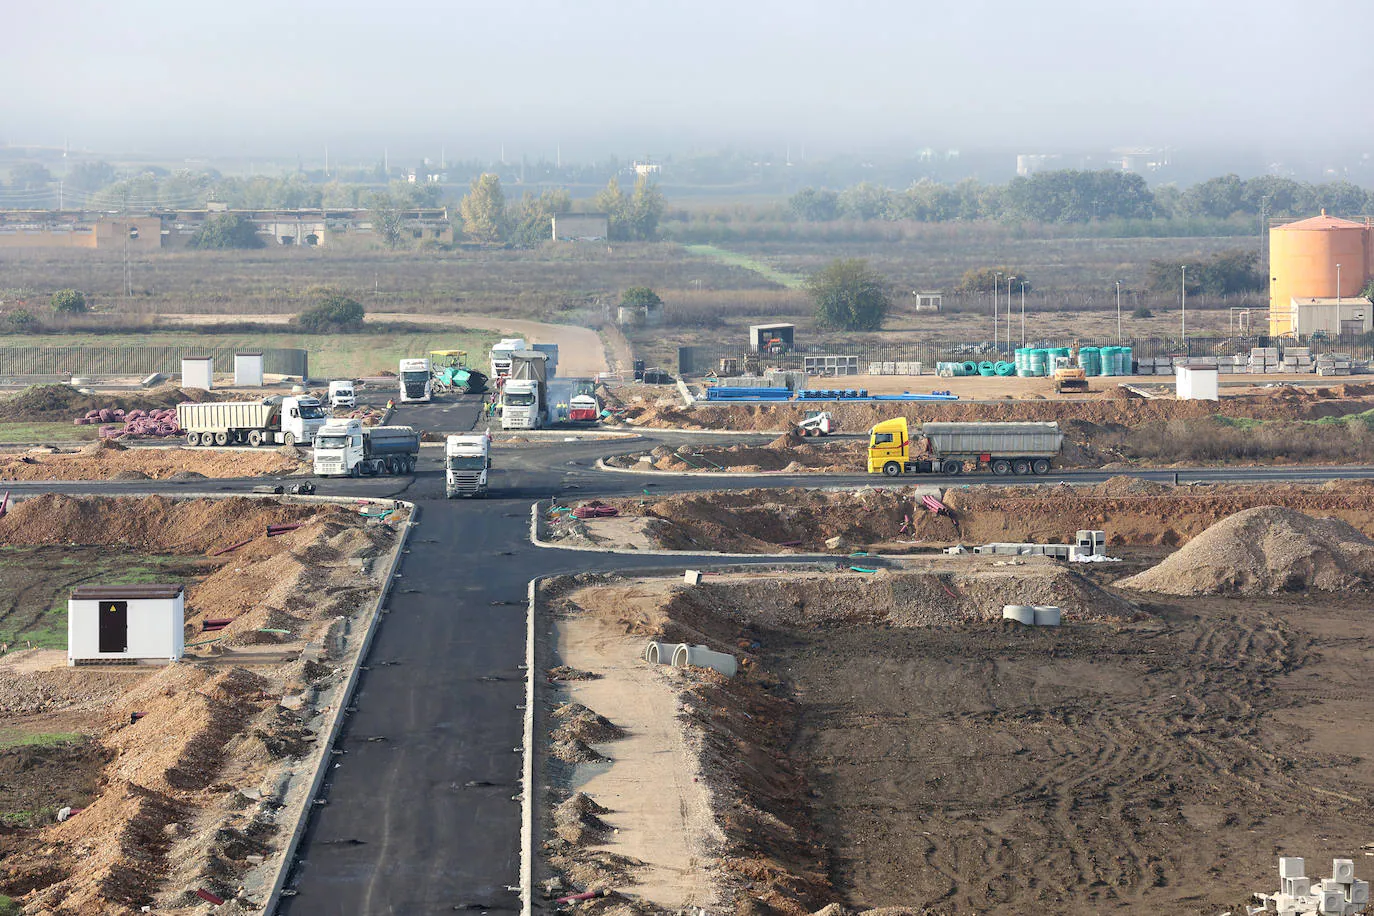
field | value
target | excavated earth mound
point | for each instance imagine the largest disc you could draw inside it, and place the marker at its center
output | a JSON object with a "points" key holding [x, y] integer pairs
{"points": [[1263, 551]]}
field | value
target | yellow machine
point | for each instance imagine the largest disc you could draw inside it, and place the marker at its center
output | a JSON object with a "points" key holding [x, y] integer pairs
{"points": [[444, 359], [1067, 374]]}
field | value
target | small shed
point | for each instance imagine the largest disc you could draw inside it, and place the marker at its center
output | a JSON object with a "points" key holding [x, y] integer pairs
{"points": [[761, 334], [248, 370], [125, 623], [1194, 384], [928, 301], [198, 372]]}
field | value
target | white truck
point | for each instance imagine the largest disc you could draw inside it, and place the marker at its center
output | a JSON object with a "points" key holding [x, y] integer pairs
{"points": [[417, 382], [271, 421], [346, 448], [341, 394], [501, 355], [467, 459], [522, 404]]}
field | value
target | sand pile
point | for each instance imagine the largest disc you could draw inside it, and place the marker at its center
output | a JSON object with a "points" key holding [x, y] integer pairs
{"points": [[110, 460], [1263, 551]]}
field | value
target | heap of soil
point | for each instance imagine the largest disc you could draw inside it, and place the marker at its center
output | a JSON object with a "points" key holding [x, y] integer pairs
{"points": [[1263, 551], [108, 460], [56, 403], [576, 820]]}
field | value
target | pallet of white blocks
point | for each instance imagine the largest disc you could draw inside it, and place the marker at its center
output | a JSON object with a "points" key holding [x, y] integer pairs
{"points": [[909, 368]]}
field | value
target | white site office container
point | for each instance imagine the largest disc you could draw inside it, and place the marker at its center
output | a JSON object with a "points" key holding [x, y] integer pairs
{"points": [[125, 623], [248, 370], [1196, 384], [198, 372]]}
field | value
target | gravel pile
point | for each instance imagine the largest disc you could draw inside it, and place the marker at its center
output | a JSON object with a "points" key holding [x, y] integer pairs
{"points": [[1264, 551]]}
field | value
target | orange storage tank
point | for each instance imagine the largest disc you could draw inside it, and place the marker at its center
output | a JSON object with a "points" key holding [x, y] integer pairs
{"points": [[1302, 264]]}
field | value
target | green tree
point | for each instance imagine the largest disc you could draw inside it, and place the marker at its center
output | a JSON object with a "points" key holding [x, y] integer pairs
{"points": [[332, 312], [19, 320], [850, 295], [90, 176], [984, 279], [815, 206], [226, 231], [611, 201], [641, 297], [645, 210], [387, 219], [69, 301], [865, 201], [531, 221], [484, 210], [28, 176]]}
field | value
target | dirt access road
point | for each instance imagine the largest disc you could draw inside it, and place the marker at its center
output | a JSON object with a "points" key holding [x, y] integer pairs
{"points": [[581, 351]]}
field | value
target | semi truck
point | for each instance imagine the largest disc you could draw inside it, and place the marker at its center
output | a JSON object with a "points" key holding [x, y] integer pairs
{"points": [[467, 459], [522, 404], [944, 448], [341, 394], [346, 448], [501, 355], [271, 421], [417, 384]]}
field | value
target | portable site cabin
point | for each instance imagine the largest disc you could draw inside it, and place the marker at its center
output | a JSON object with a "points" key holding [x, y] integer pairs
{"points": [[761, 334], [125, 623], [248, 370], [198, 372], [1194, 384]]}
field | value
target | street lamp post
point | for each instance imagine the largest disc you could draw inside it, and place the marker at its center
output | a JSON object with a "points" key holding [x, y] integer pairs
{"points": [[1009, 282], [1183, 292], [996, 282], [1023, 314], [1118, 313], [1338, 293]]}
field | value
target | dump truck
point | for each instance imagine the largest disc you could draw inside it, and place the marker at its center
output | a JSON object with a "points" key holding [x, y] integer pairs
{"points": [[346, 448], [417, 383], [467, 459], [271, 421], [944, 448], [522, 404]]}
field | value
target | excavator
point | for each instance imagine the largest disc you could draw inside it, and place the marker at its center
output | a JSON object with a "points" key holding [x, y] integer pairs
{"points": [[1068, 375]]}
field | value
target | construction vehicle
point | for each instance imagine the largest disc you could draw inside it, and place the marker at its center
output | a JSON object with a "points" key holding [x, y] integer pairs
{"points": [[501, 356], [583, 408], [341, 394], [271, 421], [452, 373], [818, 423], [467, 459], [522, 404], [346, 448], [944, 448], [417, 381], [1068, 376], [775, 346]]}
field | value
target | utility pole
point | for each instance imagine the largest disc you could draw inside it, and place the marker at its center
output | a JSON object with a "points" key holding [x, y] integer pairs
{"points": [[1118, 313], [1183, 291], [1009, 282], [1023, 314], [996, 282]]}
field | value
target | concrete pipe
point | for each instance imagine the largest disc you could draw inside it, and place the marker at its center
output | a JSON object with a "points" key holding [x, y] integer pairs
{"points": [[1021, 613], [661, 653], [1047, 615], [702, 657], [79, 381]]}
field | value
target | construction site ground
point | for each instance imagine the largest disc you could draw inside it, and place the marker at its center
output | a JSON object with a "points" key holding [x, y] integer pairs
{"points": [[176, 773], [110, 460], [889, 742], [1133, 512]]}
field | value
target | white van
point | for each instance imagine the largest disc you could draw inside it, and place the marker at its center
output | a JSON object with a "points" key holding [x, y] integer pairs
{"points": [[341, 394]]}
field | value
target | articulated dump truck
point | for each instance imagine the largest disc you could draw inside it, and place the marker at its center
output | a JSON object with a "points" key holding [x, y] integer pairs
{"points": [[945, 448]]}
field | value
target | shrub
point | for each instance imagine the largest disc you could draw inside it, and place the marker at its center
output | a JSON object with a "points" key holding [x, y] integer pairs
{"points": [[227, 230], [1142, 311], [69, 301], [19, 320], [332, 313]]}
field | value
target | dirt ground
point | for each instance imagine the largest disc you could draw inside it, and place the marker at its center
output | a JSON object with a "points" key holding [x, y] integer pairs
{"points": [[1133, 513], [48, 403], [175, 768], [871, 755], [108, 460]]}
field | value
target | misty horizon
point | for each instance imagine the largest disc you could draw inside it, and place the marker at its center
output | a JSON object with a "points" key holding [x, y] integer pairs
{"points": [[540, 78]]}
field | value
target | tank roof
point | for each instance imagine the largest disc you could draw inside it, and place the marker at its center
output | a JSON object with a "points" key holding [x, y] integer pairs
{"points": [[1322, 222]]}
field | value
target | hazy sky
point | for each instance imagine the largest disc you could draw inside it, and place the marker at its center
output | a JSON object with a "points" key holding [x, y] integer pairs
{"points": [[253, 77]]}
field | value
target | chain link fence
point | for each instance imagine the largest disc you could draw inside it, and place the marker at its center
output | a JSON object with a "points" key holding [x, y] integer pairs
{"points": [[139, 361]]}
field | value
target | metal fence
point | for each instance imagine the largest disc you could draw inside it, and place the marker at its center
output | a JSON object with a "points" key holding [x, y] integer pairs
{"points": [[700, 360], [140, 361]]}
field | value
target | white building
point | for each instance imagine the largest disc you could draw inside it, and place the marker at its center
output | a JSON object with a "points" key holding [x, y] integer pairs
{"points": [[125, 623], [198, 372], [581, 227], [1348, 315]]}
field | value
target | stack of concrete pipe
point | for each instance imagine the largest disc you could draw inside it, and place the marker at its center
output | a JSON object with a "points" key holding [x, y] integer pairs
{"points": [[1039, 615], [681, 655]]}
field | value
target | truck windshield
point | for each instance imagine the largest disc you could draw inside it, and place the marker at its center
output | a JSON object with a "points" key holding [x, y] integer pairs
{"points": [[330, 442], [414, 376], [519, 399], [311, 412], [343, 392], [467, 463]]}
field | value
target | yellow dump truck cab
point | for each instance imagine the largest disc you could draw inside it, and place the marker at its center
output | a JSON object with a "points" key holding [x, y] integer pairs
{"points": [[889, 447]]}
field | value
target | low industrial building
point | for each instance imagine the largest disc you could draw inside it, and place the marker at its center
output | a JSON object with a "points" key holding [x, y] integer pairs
{"points": [[581, 227], [1331, 317], [125, 624], [54, 229]]}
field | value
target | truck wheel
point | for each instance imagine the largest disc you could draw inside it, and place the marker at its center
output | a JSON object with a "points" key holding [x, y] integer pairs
{"points": [[951, 467], [289, 438], [410, 464], [193, 439], [221, 438], [255, 437], [892, 469], [1020, 467], [1001, 467], [1040, 466]]}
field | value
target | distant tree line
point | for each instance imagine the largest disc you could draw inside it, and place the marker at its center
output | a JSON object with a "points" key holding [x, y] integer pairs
{"points": [[1069, 196]]}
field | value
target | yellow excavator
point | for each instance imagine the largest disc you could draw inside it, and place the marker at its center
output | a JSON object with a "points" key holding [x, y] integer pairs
{"points": [[1068, 375]]}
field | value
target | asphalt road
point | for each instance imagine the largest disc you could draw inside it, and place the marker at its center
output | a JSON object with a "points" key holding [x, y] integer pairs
{"points": [[420, 816]]}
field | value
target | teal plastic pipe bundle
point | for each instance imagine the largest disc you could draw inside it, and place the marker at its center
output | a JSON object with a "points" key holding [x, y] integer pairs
{"points": [[1004, 368], [970, 368], [1090, 360], [986, 368]]}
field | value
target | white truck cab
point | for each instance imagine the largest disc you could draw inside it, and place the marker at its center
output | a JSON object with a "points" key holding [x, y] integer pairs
{"points": [[467, 459], [341, 394], [520, 406], [416, 380]]}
